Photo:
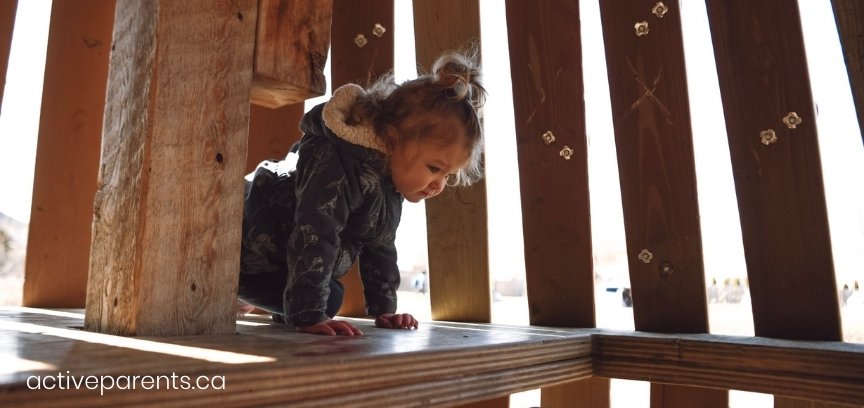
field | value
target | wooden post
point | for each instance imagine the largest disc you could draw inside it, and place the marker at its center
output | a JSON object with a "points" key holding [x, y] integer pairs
{"points": [[654, 144], [290, 51], [849, 15], [67, 153], [456, 220], [168, 208], [759, 48], [546, 67], [351, 63], [7, 26]]}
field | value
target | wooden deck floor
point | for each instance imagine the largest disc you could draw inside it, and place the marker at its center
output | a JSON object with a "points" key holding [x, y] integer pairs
{"points": [[440, 364], [268, 364]]}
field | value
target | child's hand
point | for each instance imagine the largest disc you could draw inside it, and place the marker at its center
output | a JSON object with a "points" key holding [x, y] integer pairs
{"points": [[331, 328], [396, 321]]}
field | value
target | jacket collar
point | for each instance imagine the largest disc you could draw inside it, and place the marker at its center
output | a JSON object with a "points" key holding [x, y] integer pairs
{"points": [[336, 111]]}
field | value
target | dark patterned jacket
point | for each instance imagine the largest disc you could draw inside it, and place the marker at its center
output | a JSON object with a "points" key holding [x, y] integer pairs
{"points": [[311, 223]]}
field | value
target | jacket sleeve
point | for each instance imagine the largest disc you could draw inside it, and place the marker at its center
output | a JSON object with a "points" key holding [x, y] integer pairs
{"points": [[320, 216], [380, 275]]}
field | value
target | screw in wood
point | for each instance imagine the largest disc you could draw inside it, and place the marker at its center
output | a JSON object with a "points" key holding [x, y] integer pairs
{"points": [[360, 40], [548, 137], [641, 28], [378, 30], [792, 120], [660, 9], [645, 256], [666, 269], [768, 136]]}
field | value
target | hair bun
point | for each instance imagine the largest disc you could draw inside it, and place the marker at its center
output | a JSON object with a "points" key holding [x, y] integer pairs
{"points": [[459, 74]]}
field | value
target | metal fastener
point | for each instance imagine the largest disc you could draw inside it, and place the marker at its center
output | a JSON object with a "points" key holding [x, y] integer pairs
{"points": [[360, 40], [378, 30], [768, 136], [548, 137], [792, 120], [641, 28], [646, 256], [566, 152], [666, 269], [660, 9]]}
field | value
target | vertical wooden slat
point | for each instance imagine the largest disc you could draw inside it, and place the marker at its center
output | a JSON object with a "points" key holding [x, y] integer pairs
{"points": [[849, 15], [650, 110], [168, 208], [67, 153], [360, 65], [7, 26], [291, 43], [593, 392], [456, 220], [759, 49], [546, 69], [272, 132], [763, 76]]}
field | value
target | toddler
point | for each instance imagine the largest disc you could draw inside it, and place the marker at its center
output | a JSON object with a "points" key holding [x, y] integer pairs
{"points": [[362, 153]]}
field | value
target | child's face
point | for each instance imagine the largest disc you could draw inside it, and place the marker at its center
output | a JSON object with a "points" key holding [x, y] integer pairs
{"points": [[420, 170]]}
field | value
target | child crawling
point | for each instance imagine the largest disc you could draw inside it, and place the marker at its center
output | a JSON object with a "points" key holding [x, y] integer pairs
{"points": [[361, 154]]}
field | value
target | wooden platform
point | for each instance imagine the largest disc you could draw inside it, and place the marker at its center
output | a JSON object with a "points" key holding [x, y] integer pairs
{"points": [[440, 364]]}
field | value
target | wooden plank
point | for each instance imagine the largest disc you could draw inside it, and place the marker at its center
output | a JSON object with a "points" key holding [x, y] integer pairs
{"points": [[7, 26], [351, 63], [589, 392], [67, 153], [849, 15], [166, 231], [456, 222], [272, 132], [650, 111], [826, 371], [290, 51], [781, 198], [440, 364], [275, 366], [546, 68]]}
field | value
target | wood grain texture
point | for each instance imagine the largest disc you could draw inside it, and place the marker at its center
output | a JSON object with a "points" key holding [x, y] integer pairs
{"points": [[291, 45], [654, 144], [67, 153], [456, 221], [849, 15], [166, 233], [759, 50], [546, 69], [441, 364], [438, 365], [827, 371], [651, 114], [362, 66], [272, 132], [7, 26]]}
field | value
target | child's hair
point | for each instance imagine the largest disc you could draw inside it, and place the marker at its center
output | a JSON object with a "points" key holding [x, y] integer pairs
{"points": [[419, 108]]}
